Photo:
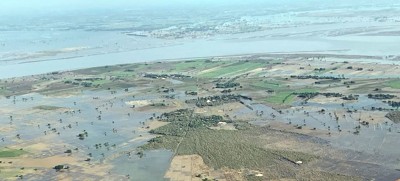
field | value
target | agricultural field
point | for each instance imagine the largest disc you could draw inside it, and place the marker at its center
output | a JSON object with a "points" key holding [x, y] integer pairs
{"points": [[4, 153], [394, 84]]}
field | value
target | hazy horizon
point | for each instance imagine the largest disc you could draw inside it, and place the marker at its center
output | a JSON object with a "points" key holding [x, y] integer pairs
{"points": [[13, 7]]}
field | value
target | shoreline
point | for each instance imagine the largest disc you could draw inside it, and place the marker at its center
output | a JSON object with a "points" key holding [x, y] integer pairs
{"points": [[301, 54]]}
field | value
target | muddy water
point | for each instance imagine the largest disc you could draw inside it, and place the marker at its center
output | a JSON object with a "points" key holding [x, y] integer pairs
{"points": [[110, 123], [376, 138], [372, 152]]}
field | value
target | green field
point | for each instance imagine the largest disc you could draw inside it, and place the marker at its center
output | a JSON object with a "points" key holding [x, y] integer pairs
{"points": [[187, 65], [8, 173], [286, 97], [231, 70], [223, 148], [179, 67], [47, 108], [5, 152], [121, 73], [239, 150], [189, 134], [4, 92], [394, 84], [267, 85]]}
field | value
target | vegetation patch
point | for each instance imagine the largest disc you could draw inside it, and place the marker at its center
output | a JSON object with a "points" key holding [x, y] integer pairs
{"points": [[232, 69], [188, 134], [394, 116], [47, 108], [194, 65], [9, 173], [216, 100], [281, 98], [267, 85], [125, 73], [394, 84], [6, 152], [184, 120]]}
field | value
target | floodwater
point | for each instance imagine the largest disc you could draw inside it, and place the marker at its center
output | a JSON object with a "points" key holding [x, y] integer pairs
{"points": [[372, 152], [110, 123], [375, 138], [43, 52]]}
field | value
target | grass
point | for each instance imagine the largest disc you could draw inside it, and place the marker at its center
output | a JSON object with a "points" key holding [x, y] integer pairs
{"points": [[4, 92], [162, 142], [231, 69], [179, 67], [286, 97], [9, 173], [120, 73], [254, 178], [189, 134], [47, 108], [306, 90], [394, 84], [239, 150], [6, 152], [188, 65], [224, 148], [267, 85]]}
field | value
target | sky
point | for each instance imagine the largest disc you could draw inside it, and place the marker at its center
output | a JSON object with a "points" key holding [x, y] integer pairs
{"points": [[24, 5], [13, 7], [34, 6]]}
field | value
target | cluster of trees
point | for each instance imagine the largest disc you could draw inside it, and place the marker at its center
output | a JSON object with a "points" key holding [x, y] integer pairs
{"points": [[177, 115], [60, 167], [193, 93], [349, 82], [226, 91], [83, 135], [350, 97], [166, 90], [309, 95], [158, 76], [184, 120], [85, 84], [316, 77], [381, 96], [394, 104], [327, 81], [216, 100], [320, 69], [88, 79], [227, 85]]}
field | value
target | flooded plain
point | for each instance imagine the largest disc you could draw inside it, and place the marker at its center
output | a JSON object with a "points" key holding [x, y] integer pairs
{"points": [[112, 132], [60, 123]]}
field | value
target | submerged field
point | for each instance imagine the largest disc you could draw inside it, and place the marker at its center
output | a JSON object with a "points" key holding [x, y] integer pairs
{"points": [[272, 117]]}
